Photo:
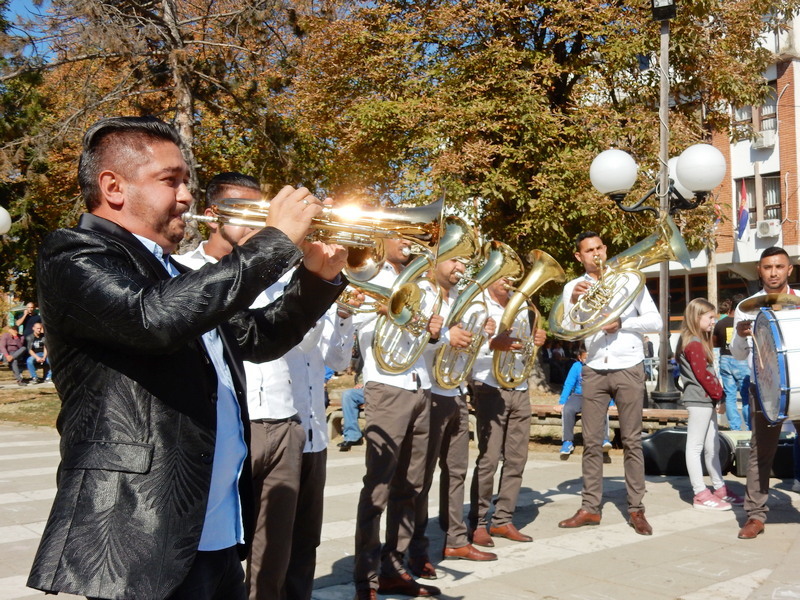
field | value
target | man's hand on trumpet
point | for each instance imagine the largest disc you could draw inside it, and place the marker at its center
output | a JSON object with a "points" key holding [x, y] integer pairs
{"points": [[324, 260], [504, 342], [460, 337], [292, 210]]}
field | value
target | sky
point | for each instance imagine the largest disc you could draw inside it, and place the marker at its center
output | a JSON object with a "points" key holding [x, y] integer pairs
{"points": [[22, 6]]}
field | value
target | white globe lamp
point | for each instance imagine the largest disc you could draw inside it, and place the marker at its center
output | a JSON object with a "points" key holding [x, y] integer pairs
{"points": [[5, 221], [672, 165], [613, 172], [701, 168]]}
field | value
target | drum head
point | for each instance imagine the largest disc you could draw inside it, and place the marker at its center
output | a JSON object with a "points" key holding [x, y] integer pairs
{"points": [[769, 365]]}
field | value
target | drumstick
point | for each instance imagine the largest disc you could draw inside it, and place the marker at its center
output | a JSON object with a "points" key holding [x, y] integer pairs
{"points": [[758, 353]]}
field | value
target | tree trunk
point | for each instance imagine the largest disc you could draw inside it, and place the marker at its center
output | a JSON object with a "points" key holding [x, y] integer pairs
{"points": [[184, 112]]}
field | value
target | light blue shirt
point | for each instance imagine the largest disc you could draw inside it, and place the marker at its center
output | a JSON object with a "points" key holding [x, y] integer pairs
{"points": [[223, 526]]}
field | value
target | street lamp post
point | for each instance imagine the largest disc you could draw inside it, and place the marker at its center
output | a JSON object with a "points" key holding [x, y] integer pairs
{"points": [[697, 171]]}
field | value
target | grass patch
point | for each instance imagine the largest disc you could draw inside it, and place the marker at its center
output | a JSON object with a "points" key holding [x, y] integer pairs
{"points": [[30, 406]]}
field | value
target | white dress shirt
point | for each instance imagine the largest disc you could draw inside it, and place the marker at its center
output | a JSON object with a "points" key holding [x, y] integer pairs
{"points": [[415, 377], [740, 347], [294, 384], [623, 349], [444, 339], [483, 370]]}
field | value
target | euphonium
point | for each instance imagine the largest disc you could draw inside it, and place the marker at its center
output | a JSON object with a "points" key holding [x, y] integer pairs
{"points": [[402, 335], [512, 367], [452, 365], [620, 282], [358, 229]]}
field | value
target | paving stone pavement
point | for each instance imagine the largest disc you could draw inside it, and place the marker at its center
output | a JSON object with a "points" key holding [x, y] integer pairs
{"points": [[692, 555]]}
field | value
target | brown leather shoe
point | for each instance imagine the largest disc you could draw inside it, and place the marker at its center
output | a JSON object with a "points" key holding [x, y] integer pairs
{"points": [[421, 567], [367, 594], [509, 532], [469, 552], [579, 519], [639, 523], [481, 537], [404, 584], [751, 529]]}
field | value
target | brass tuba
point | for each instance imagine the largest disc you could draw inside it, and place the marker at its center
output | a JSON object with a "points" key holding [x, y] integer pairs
{"points": [[620, 282], [402, 335], [452, 365], [362, 231], [511, 367]]}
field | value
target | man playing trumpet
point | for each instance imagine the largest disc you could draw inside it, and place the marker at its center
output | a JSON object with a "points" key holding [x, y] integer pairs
{"points": [[503, 431], [614, 369], [448, 443]]}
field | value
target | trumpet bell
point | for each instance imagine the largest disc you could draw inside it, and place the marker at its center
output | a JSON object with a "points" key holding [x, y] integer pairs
{"points": [[364, 262]]}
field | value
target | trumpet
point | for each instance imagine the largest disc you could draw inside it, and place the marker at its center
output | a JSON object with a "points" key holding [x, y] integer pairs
{"points": [[619, 285], [511, 367], [452, 365], [361, 231], [402, 336]]}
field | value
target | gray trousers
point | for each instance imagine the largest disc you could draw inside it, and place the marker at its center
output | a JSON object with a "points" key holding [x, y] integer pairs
{"points": [[277, 453], [448, 444], [504, 431], [396, 431], [763, 445], [307, 532], [625, 387]]}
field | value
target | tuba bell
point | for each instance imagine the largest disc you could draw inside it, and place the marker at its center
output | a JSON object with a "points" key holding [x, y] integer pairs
{"points": [[451, 365], [361, 231], [620, 282], [401, 336], [511, 367]]}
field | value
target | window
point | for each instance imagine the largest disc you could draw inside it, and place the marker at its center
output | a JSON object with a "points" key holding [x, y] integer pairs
{"points": [[769, 112], [772, 196], [743, 114]]}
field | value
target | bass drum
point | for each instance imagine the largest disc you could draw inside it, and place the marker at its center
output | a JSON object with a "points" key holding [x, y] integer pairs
{"points": [[776, 363]]}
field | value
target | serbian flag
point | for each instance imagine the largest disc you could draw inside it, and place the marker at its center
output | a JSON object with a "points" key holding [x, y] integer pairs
{"points": [[744, 213]]}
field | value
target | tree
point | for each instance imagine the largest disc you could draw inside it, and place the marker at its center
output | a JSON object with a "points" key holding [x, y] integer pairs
{"points": [[213, 67], [502, 104]]}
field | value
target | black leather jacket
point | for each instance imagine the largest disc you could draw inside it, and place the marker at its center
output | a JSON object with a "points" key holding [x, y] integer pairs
{"points": [[138, 395]]}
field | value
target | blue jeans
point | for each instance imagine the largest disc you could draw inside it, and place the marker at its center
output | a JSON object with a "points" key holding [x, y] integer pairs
{"points": [[735, 375], [32, 364], [352, 399]]}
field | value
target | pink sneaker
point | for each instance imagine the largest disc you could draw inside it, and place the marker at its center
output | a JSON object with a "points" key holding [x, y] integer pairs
{"points": [[726, 495], [705, 500]]}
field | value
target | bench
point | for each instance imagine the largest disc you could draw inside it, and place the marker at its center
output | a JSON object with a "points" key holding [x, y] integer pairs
{"points": [[547, 415], [653, 419]]}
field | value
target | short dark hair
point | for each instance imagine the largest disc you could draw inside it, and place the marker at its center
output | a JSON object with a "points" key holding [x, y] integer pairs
{"points": [[122, 139], [584, 236], [216, 187], [774, 251], [726, 305]]}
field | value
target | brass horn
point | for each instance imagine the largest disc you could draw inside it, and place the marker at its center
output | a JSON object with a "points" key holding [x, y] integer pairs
{"points": [[512, 367], [620, 282], [452, 365], [362, 231], [402, 335]]}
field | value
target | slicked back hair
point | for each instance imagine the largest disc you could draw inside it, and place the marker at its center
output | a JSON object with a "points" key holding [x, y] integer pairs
{"points": [[118, 143], [774, 251], [217, 187], [584, 236]]}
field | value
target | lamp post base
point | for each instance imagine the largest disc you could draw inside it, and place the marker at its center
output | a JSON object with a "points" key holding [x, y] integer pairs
{"points": [[667, 400]]}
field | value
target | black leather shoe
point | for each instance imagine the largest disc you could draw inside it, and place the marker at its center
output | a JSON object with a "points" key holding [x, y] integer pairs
{"points": [[404, 584], [346, 445]]}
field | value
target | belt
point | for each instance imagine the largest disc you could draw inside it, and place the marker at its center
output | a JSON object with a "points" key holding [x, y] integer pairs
{"points": [[293, 418]]}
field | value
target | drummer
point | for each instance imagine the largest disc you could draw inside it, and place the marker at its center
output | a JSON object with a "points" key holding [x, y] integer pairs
{"points": [[774, 269]]}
